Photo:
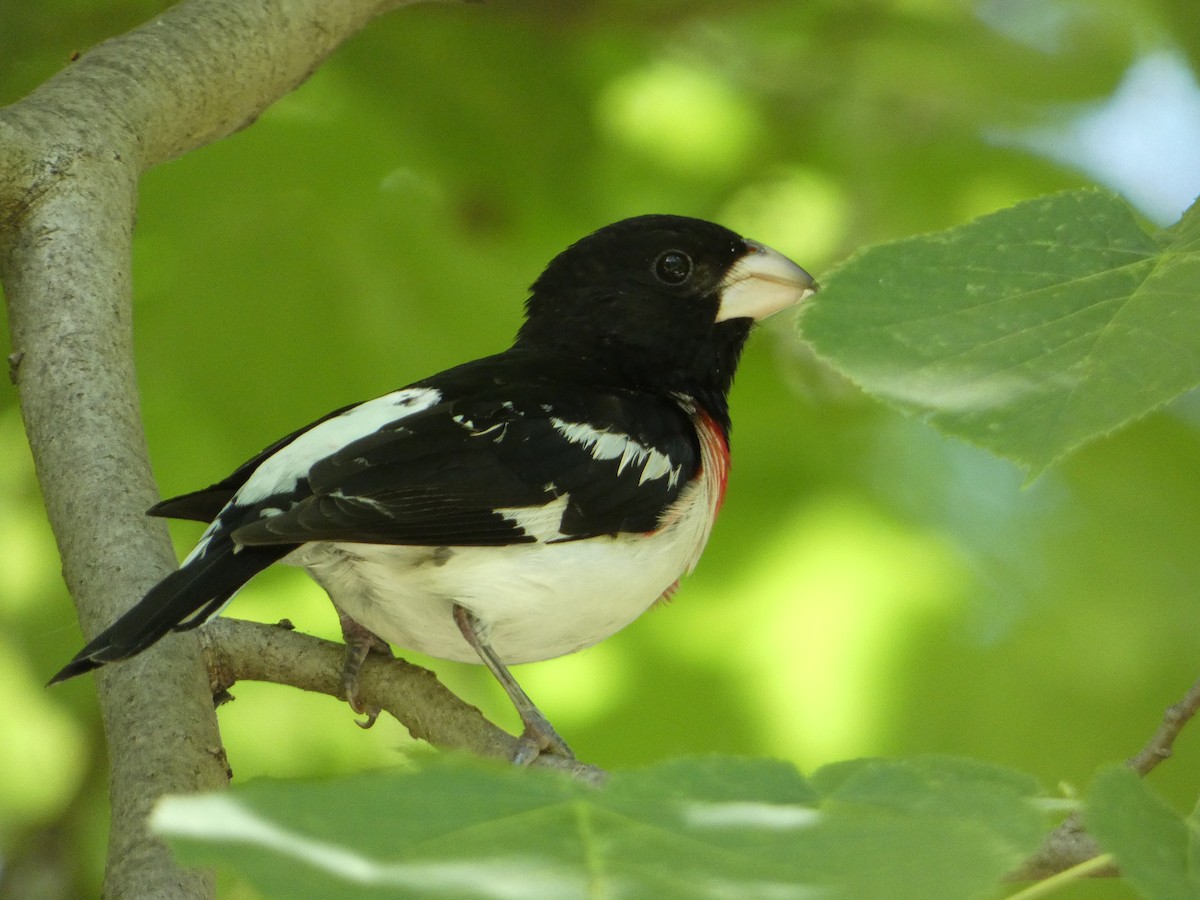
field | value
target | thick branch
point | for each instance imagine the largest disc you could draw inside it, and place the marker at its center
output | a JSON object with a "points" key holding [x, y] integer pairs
{"points": [[199, 72], [71, 154], [66, 278]]}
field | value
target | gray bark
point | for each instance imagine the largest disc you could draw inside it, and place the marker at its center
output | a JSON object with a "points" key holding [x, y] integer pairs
{"points": [[71, 155]]}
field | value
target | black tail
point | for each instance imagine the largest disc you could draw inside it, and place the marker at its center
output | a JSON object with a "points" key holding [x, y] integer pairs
{"points": [[185, 598]]}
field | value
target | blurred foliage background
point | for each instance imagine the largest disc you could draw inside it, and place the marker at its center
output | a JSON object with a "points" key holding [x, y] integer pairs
{"points": [[872, 588]]}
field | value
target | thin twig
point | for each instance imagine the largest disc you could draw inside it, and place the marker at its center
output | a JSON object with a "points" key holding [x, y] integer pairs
{"points": [[1069, 846], [1160, 745]]}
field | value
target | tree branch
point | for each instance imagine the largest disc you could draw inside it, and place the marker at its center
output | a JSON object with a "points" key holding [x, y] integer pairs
{"points": [[237, 650], [1065, 847], [71, 154], [1069, 844], [1160, 745]]}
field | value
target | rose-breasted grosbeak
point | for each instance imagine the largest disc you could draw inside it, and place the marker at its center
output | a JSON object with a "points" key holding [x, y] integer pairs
{"points": [[514, 508]]}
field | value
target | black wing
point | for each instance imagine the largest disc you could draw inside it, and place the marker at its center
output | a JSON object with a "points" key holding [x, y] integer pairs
{"points": [[502, 465], [205, 504]]}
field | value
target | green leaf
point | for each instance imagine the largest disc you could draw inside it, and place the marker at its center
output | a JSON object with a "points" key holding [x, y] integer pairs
{"points": [[973, 819], [686, 828], [1028, 331], [1151, 843], [964, 789]]}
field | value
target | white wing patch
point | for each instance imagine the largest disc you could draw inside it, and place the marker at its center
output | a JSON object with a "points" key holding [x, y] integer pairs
{"points": [[281, 471], [622, 447], [543, 523]]}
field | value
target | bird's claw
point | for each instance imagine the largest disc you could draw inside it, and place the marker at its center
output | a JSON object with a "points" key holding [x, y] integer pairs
{"points": [[350, 672], [360, 643], [371, 712], [539, 737]]}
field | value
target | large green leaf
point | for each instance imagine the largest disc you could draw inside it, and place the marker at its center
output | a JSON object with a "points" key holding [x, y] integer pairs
{"points": [[1153, 845], [1028, 331], [687, 828]]}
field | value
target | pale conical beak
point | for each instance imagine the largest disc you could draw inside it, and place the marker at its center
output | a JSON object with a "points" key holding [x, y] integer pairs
{"points": [[762, 282]]}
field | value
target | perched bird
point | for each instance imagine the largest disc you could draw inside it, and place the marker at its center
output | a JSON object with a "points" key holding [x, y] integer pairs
{"points": [[518, 507]]}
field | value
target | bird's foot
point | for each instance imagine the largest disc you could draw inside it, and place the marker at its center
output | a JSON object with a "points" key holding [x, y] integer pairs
{"points": [[539, 737], [360, 643]]}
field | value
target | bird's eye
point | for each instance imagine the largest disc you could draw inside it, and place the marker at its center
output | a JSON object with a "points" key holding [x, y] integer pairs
{"points": [[673, 267]]}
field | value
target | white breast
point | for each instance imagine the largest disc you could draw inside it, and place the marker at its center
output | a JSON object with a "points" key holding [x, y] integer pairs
{"points": [[536, 601]]}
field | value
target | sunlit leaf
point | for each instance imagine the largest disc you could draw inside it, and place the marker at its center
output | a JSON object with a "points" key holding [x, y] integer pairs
{"points": [[1029, 331], [687, 828]]}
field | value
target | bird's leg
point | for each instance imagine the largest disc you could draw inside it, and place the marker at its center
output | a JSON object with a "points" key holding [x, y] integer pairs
{"points": [[539, 735], [360, 642]]}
